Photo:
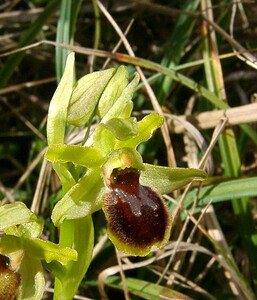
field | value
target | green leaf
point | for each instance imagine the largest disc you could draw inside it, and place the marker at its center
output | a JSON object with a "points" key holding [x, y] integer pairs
{"points": [[166, 180], [79, 155], [48, 251], [86, 94], [236, 190], [145, 289], [14, 214], [57, 112]]}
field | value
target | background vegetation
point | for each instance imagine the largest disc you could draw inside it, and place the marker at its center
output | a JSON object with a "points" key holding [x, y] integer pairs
{"points": [[198, 67]]}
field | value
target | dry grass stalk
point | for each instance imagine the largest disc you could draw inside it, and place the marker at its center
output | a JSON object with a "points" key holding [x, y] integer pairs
{"points": [[237, 115]]}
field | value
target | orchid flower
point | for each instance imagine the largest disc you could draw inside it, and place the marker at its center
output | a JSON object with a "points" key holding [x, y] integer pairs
{"points": [[106, 171]]}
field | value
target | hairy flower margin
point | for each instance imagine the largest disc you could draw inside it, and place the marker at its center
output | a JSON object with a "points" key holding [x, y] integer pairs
{"points": [[105, 171]]}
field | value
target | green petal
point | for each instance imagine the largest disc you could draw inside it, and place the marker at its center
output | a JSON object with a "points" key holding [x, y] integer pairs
{"points": [[79, 155], [146, 128], [86, 95], [123, 106], [122, 129], [166, 179]]}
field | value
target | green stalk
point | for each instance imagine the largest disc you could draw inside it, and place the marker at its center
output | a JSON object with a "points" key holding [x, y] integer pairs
{"points": [[79, 235]]}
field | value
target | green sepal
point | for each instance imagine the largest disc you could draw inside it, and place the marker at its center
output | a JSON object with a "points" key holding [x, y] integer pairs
{"points": [[166, 179], [57, 113], [86, 94], [82, 199], [111, 93], [79, 155]]}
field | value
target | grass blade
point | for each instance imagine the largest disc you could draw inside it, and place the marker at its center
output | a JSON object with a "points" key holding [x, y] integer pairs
{"points": [[227, 142], [65, 32], [176, 46], [225, 191], [145, 289]]}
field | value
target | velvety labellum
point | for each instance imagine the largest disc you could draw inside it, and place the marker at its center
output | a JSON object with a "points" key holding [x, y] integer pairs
{"points": [[9, 280], [137, 216]]}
